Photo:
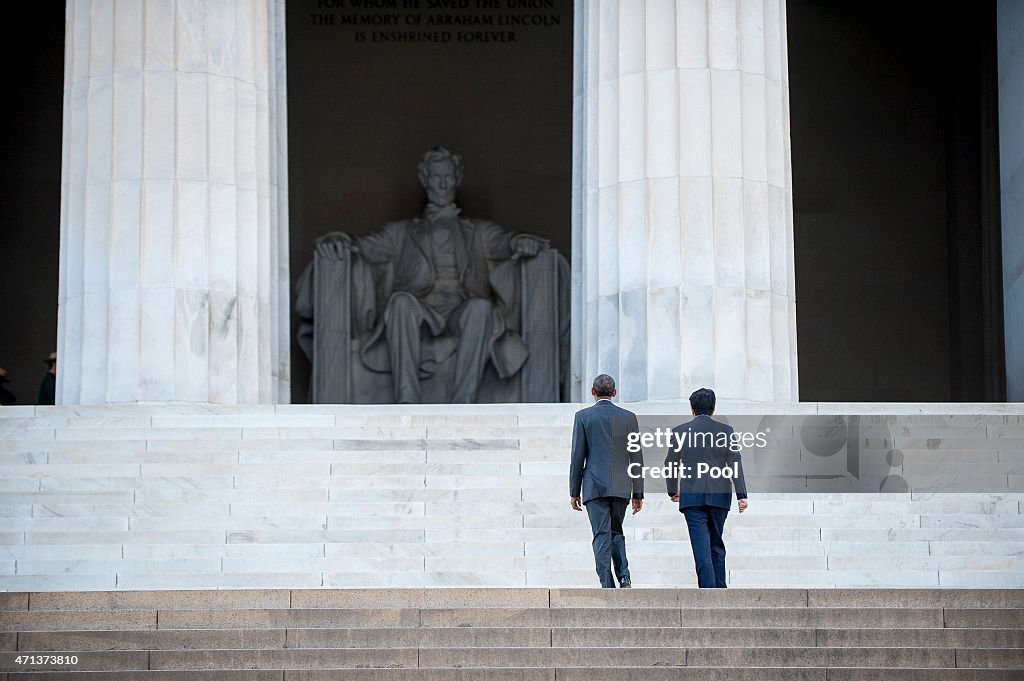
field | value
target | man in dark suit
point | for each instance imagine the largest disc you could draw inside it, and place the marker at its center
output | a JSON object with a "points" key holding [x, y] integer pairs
{"points": [[704, 443], [599, 477]]}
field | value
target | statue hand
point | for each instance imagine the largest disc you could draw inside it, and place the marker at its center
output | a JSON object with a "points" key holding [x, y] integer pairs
{"points": [[333, 246], [527, 245]]}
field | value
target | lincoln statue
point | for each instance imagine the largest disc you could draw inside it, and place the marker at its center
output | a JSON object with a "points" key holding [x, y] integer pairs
{"points": [[437, 288]]}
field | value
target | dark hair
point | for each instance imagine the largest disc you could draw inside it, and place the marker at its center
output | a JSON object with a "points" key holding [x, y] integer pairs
{"points": [[703, 401], [604, 385]]}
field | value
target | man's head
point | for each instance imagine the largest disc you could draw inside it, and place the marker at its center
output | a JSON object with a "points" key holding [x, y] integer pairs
{"points": [[52, 361], [440, 174], [702, 402], [604, 386], [3, 376]]}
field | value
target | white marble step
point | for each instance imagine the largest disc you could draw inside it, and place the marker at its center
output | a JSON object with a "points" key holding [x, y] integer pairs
{"points": [[573, 558], [413, 502], [453, 576], [577, 544]]}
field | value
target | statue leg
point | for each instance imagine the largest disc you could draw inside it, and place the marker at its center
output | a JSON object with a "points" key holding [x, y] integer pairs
{"points": [[474, 321], [403, 318]]}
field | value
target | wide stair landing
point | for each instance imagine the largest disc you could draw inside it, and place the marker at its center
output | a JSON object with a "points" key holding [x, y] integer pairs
{"points": [[523, 634]]}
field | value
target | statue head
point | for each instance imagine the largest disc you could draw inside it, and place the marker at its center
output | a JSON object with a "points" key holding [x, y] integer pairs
{"points": [[440, 174]]}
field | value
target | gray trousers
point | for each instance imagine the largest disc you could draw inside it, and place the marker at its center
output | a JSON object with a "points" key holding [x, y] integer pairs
{"points": [[606, 514]]}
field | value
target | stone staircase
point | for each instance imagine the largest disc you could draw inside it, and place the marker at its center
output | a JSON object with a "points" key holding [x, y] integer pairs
{"points": [[303, 497], [525, 634]]}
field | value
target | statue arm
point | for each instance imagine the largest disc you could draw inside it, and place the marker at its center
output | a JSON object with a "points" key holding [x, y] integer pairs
{"points": [[378, 247], [501, 244], [497, 241]]}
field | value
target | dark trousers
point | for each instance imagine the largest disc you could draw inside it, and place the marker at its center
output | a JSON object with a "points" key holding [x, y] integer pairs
{"points": [[606, 514], [706, 524]]}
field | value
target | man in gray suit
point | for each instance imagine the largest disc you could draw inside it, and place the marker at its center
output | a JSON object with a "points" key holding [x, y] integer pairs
{"points": [[599, 477]]}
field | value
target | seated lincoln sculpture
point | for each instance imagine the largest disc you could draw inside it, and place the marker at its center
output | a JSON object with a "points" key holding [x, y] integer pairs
{"points": [[458, 308]]}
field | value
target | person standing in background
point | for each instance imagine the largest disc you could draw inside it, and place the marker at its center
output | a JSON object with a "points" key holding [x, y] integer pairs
{"points": [[6, 397], [48, 388]]}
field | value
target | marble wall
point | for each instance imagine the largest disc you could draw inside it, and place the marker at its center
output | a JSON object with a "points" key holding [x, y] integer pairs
{"points": [[683, 231], [173, 276], [1010, 19]]}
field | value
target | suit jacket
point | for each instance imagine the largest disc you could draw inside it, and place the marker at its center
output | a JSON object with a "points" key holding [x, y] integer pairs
{"points": [[600, 460], [698, 446]]}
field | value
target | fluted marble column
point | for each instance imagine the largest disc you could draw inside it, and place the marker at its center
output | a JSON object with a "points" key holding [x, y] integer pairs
{"points": [[1010, 31], [683, 228], [174, 274]]}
